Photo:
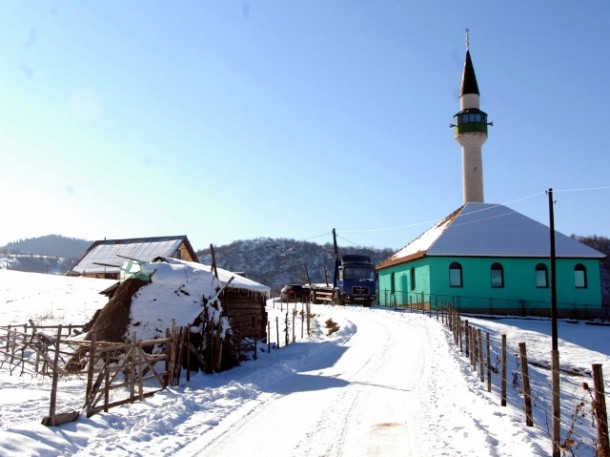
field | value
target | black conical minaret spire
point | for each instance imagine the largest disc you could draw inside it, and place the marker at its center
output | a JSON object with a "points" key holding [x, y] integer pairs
{"points": [[469, 78]]}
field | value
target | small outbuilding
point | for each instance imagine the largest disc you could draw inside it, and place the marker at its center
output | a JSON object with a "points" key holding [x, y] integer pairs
{"points": [[224, 313]]}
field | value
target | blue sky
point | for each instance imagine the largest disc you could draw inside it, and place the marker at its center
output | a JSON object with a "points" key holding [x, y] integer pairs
{"points": [[228, 120]]}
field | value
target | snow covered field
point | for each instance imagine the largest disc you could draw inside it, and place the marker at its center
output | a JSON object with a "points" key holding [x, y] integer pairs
{"points": [[386, 384]]}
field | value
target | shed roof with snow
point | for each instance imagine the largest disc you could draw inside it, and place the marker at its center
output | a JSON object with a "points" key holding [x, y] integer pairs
{"points": [[489, 230], [105, 257]]}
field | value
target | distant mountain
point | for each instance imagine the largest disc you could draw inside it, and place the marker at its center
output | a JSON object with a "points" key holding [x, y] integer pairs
{"points": [[54, 254], [279, 261], [50, 245]]}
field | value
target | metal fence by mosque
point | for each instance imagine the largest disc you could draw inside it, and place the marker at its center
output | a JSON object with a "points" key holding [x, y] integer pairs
{"points": [[414, 300]]}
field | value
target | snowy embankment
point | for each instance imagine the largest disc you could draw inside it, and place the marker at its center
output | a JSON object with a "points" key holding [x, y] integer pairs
{"points": [[385, 384]]}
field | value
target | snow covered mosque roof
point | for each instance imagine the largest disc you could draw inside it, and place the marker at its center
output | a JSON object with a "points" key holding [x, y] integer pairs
{"points": [[106, 256], [489, 230]]}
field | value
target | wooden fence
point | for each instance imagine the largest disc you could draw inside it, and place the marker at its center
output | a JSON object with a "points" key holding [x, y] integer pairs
{"points": [[476, 347], [31, 348], [295, 321], [116, 373], [119, 373]]}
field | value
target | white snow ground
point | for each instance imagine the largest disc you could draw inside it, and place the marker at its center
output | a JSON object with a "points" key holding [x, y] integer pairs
{"points": [[386, 384]]}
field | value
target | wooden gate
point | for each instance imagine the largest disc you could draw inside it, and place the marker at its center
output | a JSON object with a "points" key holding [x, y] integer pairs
{"points": [[122, 373]]}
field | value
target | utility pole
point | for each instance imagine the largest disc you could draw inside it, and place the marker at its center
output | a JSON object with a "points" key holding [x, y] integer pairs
{"points": [[554, 351]]}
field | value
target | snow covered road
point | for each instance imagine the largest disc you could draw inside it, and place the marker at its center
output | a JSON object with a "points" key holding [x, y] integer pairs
{"points": [[388, 386]]}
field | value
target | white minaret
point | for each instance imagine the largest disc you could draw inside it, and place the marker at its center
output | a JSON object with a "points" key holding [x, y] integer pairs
{"points": [[470, 127]]}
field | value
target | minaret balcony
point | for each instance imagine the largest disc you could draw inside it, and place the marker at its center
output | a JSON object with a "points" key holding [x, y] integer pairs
{"points": [[468, 127], [470, 120]]}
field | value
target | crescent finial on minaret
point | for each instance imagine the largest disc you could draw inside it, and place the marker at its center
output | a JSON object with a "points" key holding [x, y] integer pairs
{"points": [[467, 39]]}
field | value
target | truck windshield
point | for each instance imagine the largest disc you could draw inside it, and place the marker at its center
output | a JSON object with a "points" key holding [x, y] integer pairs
{"points": [[355, 274]]}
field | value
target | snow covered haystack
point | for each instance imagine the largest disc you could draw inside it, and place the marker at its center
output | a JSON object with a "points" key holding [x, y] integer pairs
{"points": [[154, 296]]}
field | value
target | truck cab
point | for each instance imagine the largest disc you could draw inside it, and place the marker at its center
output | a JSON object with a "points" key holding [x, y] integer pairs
{"points": [[356, 281]]}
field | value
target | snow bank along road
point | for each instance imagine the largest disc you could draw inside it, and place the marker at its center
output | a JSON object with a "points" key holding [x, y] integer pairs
{"points": [[388, 384]]}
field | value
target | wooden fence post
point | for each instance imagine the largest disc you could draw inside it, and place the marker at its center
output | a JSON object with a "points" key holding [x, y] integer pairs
{"points": [[449, 317], [308, 319], [170, 349], [503, 362], [33, 330], [481, 361], [556, 402], [473, 349], [603, 444], [527, 396], [268, 337], [140, 360], [91, 366], [106, 381], [488, 347], [286, 333], [55, 376], [23, 345], [277, 331], [188, 354], [8, 338], [467, 343], [129, 363]]}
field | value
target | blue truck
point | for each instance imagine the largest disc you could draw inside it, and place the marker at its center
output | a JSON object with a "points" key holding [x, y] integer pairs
{"points": [[354, 281]]}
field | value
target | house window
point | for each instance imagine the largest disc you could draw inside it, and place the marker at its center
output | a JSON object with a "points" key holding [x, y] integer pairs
{"points": [[542, 276], [455, 275], [497, 275], [393, 283], [412, 272], [580, 276]]}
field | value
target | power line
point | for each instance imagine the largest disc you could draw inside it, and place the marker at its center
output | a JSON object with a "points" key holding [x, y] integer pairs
{"points": [[435, 221], [581, 189], [416, 224]]}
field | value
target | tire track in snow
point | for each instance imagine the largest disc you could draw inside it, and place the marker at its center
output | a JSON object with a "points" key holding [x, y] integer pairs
{"points": [[365, 419]]}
